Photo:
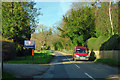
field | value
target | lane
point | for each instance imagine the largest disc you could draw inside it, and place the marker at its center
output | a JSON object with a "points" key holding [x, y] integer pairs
{"points": [[74, 71], [96, 71], [64, 67]]}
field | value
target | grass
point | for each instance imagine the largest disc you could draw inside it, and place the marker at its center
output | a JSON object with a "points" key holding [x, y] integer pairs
{"points": [[40, 57], [109, 62], [7, 76]]}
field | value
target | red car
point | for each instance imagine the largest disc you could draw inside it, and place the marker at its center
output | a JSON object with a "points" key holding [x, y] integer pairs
{"points": [[80, 53]]}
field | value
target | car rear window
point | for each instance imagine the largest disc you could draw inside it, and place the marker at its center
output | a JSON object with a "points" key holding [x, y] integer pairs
{"points": [[80, 50]]}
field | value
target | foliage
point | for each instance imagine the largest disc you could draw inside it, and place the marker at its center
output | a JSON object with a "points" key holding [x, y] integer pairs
{"points": [[119, 17], [78, 26], [96, 43], [102, 18], [18, 21], [113, 43], [44, 38], [8, 49]]}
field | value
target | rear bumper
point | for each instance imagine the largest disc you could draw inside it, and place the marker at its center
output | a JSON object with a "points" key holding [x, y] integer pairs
{"points": [[81, 57]]}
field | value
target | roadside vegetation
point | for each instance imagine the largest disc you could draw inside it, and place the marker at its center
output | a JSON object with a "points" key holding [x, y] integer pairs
{"points": [[108, 62], [88, 26], [18, 23], [85, 24], [92, 30], [40, 57], [7, 76]]}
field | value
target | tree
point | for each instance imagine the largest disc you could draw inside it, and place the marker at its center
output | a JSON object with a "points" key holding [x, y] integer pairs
{"points": [[102, 18], [18, 21], [44, 36], [79, 26]]}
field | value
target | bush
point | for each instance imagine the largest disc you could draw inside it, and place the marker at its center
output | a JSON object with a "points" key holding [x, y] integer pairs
{"points": [[8, 50], [112, 44], [95, 43]]}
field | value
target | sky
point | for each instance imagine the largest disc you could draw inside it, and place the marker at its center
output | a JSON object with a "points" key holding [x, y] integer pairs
{"points": [[52, 12]]}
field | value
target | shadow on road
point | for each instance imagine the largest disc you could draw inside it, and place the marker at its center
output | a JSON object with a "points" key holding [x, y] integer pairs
{"points": [[98, 71]]}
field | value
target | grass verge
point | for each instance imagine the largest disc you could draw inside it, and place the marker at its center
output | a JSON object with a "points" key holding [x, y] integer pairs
{"points": [[108, 62], [40, 57], [7, 76]]}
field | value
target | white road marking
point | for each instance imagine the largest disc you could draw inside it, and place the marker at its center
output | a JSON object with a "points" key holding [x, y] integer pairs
{"points": [[70, 61], [67, 58], [89, 76], [77, 65]]}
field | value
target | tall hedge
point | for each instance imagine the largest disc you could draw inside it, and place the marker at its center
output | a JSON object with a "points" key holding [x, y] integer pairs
{"points": [[95, 43], [112, 44], [8, 50]]}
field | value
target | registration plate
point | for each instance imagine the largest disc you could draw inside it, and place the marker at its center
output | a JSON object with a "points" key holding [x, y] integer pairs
{"points": [[82, 57]]}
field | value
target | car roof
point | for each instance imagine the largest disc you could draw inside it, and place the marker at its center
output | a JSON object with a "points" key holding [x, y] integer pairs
{"points": [[80, 47]]}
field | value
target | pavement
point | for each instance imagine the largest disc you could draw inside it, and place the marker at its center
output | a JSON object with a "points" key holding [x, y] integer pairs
{"points": [[25, 70]]}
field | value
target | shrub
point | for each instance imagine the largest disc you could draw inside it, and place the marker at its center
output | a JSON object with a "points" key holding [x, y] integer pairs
{"points": [[112, 44], [8, 50], [95, 43]]}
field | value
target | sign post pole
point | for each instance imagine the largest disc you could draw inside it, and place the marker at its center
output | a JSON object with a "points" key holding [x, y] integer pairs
{"points": [[32, 54], [25, 53]]}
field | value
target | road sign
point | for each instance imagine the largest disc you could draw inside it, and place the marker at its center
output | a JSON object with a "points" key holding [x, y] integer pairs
{"points": [[29, 44]]}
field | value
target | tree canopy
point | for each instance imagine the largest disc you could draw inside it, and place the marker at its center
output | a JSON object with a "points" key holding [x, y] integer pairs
{"points": [[78, 26], [18, 21]]}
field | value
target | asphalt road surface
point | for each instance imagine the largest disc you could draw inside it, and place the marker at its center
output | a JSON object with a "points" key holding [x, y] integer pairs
{"points": [[62, 66]]}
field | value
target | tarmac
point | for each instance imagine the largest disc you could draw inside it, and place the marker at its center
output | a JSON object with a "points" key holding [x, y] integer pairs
{"points": [[31, 71], [25, 70]]}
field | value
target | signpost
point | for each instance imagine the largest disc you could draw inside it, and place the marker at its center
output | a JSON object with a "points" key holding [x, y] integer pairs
{"points": [[29, 44], [32, 54]]}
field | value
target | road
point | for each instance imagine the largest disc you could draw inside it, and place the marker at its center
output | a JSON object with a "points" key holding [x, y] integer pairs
{"points": [[62, 66]]}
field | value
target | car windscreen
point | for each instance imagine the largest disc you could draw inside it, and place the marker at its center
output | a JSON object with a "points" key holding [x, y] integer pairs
{"points": [[80, 50]]}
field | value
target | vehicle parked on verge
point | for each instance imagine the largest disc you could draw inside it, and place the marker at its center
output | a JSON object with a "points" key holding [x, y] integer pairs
{"points": [[80, 53]]}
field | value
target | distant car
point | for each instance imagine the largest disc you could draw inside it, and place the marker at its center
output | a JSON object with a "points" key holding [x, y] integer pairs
{"points": [[80, 53]]}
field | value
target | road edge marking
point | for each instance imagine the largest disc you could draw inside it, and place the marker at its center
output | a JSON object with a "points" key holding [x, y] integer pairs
{"points": [[89, 76]]}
